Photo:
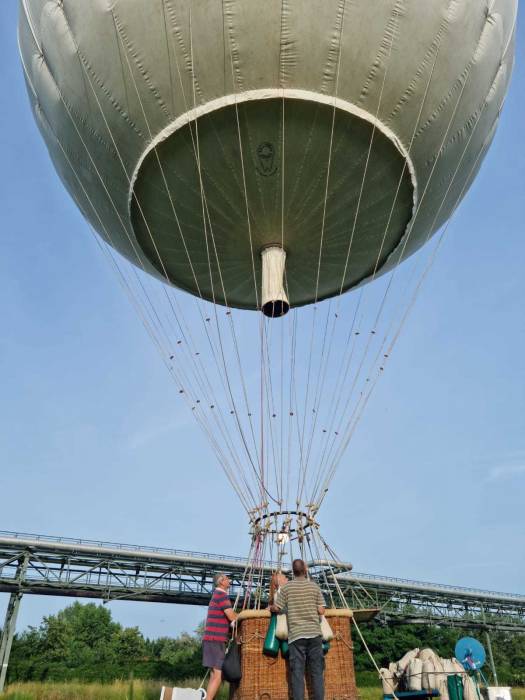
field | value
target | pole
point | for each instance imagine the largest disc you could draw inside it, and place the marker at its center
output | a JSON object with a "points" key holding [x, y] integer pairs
{"points": [[491, 658], [8, 631], [489, 649]]}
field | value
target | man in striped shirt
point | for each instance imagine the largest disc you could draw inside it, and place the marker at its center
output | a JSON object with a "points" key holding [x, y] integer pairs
{"points": [[217, 632], [303, 603]]}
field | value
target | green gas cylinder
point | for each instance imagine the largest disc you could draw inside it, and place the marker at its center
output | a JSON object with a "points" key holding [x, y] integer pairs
{"points": [[455, 687], [271, 643]]}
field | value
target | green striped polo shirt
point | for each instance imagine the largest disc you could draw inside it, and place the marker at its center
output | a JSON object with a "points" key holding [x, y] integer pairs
{"points": [[300, 600]]}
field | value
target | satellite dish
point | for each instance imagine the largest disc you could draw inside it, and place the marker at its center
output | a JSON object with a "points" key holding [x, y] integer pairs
{"points": [[470, 653]]}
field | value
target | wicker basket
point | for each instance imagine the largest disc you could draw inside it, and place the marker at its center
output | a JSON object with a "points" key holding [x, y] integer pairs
{"points": [[266, 678]]}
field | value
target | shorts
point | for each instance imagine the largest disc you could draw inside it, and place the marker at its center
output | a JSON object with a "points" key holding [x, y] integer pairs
{"points": [[213, 654]]}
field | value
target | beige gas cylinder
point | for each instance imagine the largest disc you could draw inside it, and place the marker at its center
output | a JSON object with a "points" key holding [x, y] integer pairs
{"points": [[415, 670]]}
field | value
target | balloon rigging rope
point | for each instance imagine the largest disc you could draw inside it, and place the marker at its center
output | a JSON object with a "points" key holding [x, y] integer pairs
{"points": [[222, 460], [205, 212], [360, 298], [225, 367], [407, 236], [350, 344], [316, 393], [208, 431], [369, 152], [245, 188], [281, 418], [138, 95], [411, 303], [458, 199], [370, 655], [261, 399], [229, 313], [328, 587], [328, 167], [96, 171], [363, 641], [160, 335], [409, 154], [107, 252], [261, 474], [214, 354], [304, 465], [331, 554], [250, 236], [321, 374], [164, 180], [281, 84], [291, 397], [305, 407], [323, 369], [330, 557], [247, 568], [270, 407], [351, 340], [427, 185], [125, 172]]}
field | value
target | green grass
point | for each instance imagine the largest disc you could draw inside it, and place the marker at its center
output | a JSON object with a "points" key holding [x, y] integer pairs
{"points": [[119, 690], [142, 690], [377, 693], [370, 693]]}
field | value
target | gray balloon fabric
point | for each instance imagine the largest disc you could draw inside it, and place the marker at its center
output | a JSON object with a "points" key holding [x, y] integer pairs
{"points": [[192, 134]]}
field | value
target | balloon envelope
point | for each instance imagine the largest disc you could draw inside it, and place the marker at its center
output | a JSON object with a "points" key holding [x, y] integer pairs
{"points": [[192, 135]]}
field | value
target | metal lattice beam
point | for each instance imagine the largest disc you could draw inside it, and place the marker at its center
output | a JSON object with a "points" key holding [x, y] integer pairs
{"points": [[108, 571]]}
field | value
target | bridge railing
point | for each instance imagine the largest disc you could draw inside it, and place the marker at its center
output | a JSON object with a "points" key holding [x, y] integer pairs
{"points": [[117, 545], [447, 588], [371, 579]]}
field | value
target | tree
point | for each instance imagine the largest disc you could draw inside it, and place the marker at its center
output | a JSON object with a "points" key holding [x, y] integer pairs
{"points": [[83, 642]]}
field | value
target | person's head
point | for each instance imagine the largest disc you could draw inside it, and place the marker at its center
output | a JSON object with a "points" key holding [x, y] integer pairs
{"points": [[221, 580], [299, 568], [279, 579]]}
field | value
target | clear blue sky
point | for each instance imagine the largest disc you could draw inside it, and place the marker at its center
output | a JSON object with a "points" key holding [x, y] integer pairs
{"points": [[94, 444]]}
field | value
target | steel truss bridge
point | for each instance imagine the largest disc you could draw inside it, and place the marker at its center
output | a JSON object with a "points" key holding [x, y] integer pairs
{"points": [[40, 565]]}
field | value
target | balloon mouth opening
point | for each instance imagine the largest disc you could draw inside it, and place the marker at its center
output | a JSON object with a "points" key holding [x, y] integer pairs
{"points": [[275, 309], [253, 276]]}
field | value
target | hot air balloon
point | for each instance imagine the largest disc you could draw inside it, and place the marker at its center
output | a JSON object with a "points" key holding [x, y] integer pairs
{"points": [[255, 126], [268, 156]]}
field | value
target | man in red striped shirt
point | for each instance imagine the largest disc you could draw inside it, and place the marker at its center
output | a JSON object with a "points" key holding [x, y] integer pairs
{"points": [[217, 632]]}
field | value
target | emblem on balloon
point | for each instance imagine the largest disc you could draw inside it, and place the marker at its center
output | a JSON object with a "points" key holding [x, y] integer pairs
{"points": [[266, 159]]}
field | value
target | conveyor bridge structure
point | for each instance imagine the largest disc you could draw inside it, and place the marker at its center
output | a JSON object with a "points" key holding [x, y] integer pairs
{"points": [[60, 566]]}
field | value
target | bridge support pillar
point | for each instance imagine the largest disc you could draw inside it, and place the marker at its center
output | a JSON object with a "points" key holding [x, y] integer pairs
{"points": [[8, 632], [491, 658], [489, 648]]}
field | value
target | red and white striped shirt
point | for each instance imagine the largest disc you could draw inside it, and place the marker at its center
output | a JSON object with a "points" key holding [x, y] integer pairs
{"points": [[217, 628]]}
